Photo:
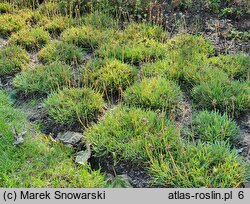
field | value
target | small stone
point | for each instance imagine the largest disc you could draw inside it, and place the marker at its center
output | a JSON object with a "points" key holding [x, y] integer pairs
{"points": [[122, 181], [69, 137], [247, 184], [83, 156], [18, 140], [23, 132]]}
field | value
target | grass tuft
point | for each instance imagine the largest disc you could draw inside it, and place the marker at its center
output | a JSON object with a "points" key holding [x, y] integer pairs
{"points": [[12, 60], [75, 106], [236, 66], [154, 93], [43, 79], [60, 51], [10, 23], [201, 165], [227, 97], [85, 37], [5, 7], [128, 135], [213, 127], [161, 68], [111, 76], [100, 21], [30, 39]]}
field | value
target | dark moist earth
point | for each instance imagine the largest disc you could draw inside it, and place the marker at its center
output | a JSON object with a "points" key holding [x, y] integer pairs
{"points": [[213, 28]]}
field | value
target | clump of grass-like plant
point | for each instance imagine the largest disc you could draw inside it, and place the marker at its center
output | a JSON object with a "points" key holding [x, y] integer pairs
{"points": [[137, 43], [136, 31], [111, 77], [154, 93], [128, 135], [199, 165], [100, 21], [49, 8], [15, 21], [60, 51], [30, 39], [162, 68], [10, 23], [189, 47], [43, 79], [75, 106], [55, 25], [212, 127], [5, 7], [227, 97], [12, 60], [134, 52], [86, 36], [236, 66], [188, 55]]}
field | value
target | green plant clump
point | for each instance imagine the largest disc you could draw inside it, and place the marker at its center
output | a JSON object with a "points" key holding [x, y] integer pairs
{"points": [[43, 79], [138, 31], [31, 17], [154, 93], [188, 47], [5, 8], [60, 51], [100, 21], [201, 165], [188, 55], [49, 8], [10, 23], [137, 43], [204, 74], [227, 97], [37, 163], [236, 66], [128, 135], [12, 60], [134, 52], [75, 106], [113, 76], [55, 25], [30, 39], [162, 68], [86, 37], [213, 127]]}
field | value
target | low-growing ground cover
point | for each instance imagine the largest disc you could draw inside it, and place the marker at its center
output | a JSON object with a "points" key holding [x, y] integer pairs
{"points": [[54, 25], [133, 52], [37, 162], [60, 51], [5, 8], [12, 60], [129, 133], [227, 97], [154, 93], [110, 76], [212, 127], [75, 105], [199, 165], [30, 39], [137, 43], [141, 95], [236, 66], [43, 79], [10, 23], [86, 37], [162, 68]]}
